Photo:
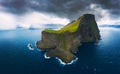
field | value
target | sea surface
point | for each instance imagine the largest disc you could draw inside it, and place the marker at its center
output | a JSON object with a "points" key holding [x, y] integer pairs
{"points": [[17, 58]]}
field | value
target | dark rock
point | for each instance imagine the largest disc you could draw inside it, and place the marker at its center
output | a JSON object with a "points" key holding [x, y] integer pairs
{"points": [[63, 43]]}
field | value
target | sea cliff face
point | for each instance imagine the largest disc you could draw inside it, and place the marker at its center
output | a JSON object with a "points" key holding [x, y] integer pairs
{"points": [[63, 43]]}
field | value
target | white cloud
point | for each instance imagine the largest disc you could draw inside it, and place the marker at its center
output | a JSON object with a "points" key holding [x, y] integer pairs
{"points": [[10, 21], [40, 18], [105, 15], [7, 21]]}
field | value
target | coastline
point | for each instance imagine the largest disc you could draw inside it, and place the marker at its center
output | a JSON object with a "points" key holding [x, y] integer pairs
{"points": [[63, 63], [46, 56], [30, 47]]}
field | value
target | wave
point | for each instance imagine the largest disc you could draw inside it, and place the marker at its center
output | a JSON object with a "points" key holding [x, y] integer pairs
{"points": [[30, 46], [63, 63], [46, 57]]}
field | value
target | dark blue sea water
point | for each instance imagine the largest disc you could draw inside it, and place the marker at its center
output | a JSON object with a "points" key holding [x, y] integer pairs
{"points": [[16, 58]]}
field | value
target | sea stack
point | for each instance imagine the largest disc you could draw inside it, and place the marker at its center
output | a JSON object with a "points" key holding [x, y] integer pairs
{"points": [[63, 43]]}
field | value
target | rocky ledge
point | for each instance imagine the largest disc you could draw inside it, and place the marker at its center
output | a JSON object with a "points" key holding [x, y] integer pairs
{"points": [[63, 43]]}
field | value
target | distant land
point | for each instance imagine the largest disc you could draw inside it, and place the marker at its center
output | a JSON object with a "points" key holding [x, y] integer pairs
{"points": [[112, 26]]}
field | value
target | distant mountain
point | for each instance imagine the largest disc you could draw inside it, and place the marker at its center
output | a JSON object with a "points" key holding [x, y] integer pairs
{"points": [[33, 28], [114, 26], [19, 27]]}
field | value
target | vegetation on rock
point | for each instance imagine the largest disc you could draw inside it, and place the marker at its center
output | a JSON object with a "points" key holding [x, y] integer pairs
{"points": [[71, 27], [64, 42]]}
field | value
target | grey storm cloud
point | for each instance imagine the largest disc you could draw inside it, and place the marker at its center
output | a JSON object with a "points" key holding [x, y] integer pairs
{"points": [[64, 8]]}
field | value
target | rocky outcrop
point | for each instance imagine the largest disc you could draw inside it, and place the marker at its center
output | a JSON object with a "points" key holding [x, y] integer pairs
{"points": [[63, 43]]}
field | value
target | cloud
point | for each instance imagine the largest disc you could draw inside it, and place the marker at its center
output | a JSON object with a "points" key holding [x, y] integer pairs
{"points": [[32, 12], [105, 15], [42, 18], [62, 8], [7, 21], [10, 21]]}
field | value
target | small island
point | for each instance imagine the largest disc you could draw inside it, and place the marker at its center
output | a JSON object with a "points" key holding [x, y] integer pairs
{"points": [[30, 46], [63, 43]]}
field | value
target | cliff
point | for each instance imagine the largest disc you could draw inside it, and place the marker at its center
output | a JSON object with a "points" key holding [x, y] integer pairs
{"points": [[63, 43]]}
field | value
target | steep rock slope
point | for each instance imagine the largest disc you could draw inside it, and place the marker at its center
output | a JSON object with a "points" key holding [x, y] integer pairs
{"points": [[63, 43]]}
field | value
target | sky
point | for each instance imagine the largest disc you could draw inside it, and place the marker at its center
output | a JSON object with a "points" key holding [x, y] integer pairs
{"points": [[26, 13]]}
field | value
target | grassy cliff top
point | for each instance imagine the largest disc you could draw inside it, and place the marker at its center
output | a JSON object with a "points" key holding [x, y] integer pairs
{"points": [[71, 27]]}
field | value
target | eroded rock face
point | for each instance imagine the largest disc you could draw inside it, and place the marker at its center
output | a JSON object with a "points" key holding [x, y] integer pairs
{"points": [[64, 44], [88, 29]]}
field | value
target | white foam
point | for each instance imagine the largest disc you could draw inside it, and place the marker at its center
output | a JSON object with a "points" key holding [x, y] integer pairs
{"points": [[46, 56], [63, 63], [37, 48], [30, 47], [35, 43]]}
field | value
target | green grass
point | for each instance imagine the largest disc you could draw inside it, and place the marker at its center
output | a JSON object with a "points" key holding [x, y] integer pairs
{"points": [[71, 27]]}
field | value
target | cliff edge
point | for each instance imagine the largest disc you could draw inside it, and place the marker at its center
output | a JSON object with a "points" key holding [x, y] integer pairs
{"points": [[63, 43]]}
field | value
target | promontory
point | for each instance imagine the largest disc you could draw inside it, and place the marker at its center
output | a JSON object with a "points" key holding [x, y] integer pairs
{"points": [[63, 43]]}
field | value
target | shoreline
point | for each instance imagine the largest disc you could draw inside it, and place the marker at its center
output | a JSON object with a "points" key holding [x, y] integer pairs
{"points": [[30, 48], [63, 63], [46, 56]]}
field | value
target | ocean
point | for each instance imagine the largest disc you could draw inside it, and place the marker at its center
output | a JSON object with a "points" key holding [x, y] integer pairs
{"points": [[17, 58]]}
